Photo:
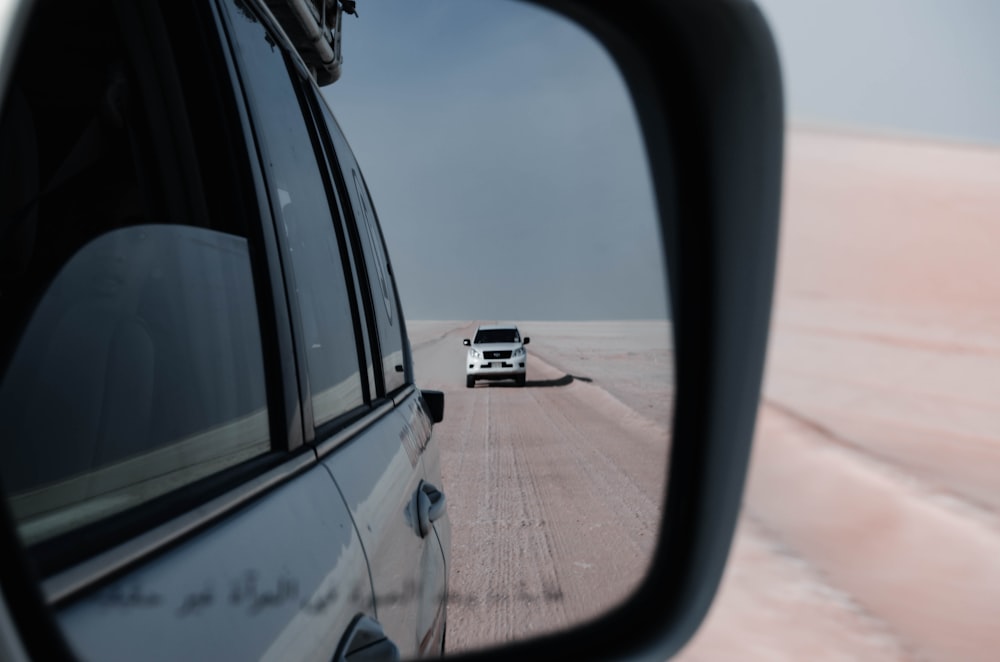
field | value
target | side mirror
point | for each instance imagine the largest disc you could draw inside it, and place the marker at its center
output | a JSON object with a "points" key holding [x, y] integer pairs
{"points": [[526, 340], [705, 82], [435, 404]]}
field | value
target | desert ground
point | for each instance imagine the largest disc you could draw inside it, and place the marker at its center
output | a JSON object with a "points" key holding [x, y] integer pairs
{"points": [[553, 489], [870, 526]]}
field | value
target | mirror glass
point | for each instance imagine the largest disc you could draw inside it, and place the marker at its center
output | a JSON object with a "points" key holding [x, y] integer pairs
{"points": [[210, 437], [504, 157]]}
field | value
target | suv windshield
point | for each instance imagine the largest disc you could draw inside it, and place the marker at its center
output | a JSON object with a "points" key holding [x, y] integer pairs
{"points": [[496, 336]]}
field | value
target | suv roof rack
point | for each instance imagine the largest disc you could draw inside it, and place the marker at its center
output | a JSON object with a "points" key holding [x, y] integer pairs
{"points": [[314, 28]]}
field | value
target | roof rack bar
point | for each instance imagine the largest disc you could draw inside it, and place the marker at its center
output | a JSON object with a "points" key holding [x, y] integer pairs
{"points": [[314, 29], [309, 22]]}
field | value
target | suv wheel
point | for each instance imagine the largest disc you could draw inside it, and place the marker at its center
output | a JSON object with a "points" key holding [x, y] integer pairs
{"points": [[520, 380], [470, 381]]}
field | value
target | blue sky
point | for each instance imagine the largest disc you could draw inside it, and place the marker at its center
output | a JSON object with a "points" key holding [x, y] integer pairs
{"points": [[503, 155]]}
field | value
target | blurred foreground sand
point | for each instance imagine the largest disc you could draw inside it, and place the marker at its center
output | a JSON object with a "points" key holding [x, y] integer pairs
{"points": [[871, 527]]}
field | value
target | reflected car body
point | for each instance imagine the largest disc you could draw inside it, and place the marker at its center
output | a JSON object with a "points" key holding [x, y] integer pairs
{"points": [[496, 352], [211, 442]]}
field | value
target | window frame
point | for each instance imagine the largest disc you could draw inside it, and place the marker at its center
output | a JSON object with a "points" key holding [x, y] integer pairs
{"points": [[349, 233], [298, 78], [250, 198], [365, 323], [357, 235]]}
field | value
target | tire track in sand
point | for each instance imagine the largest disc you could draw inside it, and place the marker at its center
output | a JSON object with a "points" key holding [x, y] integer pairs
{"points": [[547, 530]]}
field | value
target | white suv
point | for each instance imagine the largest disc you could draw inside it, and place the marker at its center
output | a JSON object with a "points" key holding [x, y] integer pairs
{"points": [[497, 352]]}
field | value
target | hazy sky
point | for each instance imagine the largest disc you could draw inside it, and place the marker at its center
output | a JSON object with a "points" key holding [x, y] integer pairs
{"points": [[504, 160], [920, 67], [505, 163]]}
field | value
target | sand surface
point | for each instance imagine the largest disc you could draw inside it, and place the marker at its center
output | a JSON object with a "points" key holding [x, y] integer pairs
{"points": [[554, 490], [870, 527], [877, 452]]}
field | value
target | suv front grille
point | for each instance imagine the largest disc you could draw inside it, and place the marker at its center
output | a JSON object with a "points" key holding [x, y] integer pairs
{"points": [[497, 355]]}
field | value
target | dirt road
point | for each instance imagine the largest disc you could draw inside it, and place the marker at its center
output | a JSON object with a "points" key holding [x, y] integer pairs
{"points": [[553, 490]]}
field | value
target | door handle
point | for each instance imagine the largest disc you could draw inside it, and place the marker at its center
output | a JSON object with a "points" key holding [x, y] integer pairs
{"points": [[365, 641], [430, 507]]}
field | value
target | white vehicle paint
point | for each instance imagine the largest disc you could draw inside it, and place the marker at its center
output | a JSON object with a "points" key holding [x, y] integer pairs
{"points": [[496, 352]]}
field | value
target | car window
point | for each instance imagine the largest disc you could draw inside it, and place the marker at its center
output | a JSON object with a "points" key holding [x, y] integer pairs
{"points": [[131, 341], [380, 281], [301, 203], [139, 371]]}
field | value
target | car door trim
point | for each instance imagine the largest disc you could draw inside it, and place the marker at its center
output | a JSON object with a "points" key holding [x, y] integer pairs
{"points": [[280, 355], [329, 444], [401, 397]]}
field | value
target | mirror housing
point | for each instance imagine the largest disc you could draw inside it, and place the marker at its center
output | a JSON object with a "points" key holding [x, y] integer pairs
{"points": [[526, 341], [705, 82], [467, 342]]}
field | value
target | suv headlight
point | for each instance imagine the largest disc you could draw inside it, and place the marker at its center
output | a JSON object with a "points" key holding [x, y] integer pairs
{"points": [[519, 351], [475, 353]]}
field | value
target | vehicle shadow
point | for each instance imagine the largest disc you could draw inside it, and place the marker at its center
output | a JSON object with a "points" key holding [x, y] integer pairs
{"points": [[565, 380]]}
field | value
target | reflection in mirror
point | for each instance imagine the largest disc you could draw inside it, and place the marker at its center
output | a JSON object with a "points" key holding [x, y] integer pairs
{"points": [[504, 157], [211, 436]]}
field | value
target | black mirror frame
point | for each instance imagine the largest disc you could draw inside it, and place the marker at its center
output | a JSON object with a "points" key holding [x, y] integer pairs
{"points": [[706, 84], [34, 634], [705, 81]]}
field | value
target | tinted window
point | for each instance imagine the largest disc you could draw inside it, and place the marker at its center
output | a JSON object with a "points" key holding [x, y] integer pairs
{"points": [[380, 282], [131, 347], [299, 197], [139, 371]]}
